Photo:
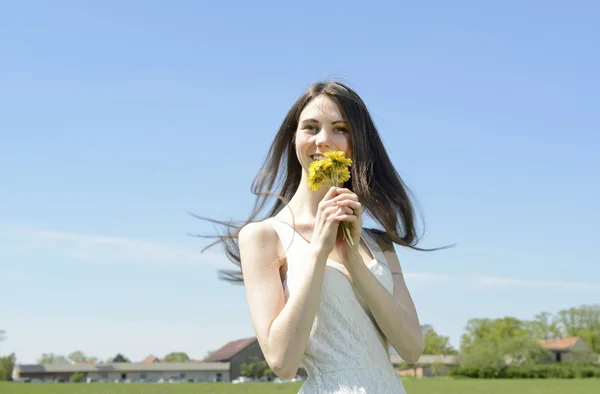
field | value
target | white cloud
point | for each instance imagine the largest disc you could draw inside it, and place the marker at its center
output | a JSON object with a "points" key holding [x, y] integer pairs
{"points": [[100, 249], [489, 282], [493, 281]]}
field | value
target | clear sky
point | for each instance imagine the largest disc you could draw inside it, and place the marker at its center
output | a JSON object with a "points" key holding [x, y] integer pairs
{"points": [[116, 118]]}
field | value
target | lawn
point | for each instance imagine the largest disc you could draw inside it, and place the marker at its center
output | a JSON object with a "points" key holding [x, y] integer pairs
{"points": [[413, 386]]}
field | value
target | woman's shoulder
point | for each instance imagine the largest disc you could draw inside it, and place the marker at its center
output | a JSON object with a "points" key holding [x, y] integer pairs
{"points": [[260, 257], [260, 232]]}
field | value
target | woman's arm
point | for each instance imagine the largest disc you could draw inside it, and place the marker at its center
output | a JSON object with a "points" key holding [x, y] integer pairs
{"points": [[282, 329], [395, 313]]}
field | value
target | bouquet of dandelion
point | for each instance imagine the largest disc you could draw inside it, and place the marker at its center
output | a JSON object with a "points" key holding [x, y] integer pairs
{"points": [[332, 171]]}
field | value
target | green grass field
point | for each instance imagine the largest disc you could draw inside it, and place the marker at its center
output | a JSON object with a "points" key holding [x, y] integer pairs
{"points": [[413, 386]]}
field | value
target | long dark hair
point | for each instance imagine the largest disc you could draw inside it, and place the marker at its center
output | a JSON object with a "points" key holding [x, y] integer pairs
{"points": [[379, 187]]}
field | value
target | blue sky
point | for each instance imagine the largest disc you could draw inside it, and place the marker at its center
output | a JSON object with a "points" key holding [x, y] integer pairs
{"points": [[118, 117]]}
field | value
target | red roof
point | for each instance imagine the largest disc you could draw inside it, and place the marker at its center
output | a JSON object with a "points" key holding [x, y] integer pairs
{"points": [[150, 360], [227, 352], [559, 343]]}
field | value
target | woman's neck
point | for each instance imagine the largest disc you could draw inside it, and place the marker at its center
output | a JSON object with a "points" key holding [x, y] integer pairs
{"points": [[305, 202]]}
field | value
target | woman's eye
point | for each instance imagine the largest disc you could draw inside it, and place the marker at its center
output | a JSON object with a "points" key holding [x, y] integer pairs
{"points": [[341, 129], [310, 127]]}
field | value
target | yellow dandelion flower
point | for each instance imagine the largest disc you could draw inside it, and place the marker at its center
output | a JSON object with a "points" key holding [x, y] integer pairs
{"points": [[338, 159], [333, 171], [343, 175], [315, 180], [317, 174], [321, 165]]}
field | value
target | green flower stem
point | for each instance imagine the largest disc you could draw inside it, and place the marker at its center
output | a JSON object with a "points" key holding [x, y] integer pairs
{"points": [[345, 225]]}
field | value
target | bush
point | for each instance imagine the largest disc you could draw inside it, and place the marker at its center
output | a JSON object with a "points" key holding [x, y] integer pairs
{"points": [[485, 356], [529, 371], [78, 377]]}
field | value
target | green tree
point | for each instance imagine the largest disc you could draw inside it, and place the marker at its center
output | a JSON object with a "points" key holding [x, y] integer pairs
{"points": [[543, 326], [256, 368], [177, 357], [51, 358], [483, 355], [583, 322], [78, 377], [524, 350], [495, 331], [268, 372], [7, 365], [435, 343], [119, 358], [77, 356], [249, 369]]}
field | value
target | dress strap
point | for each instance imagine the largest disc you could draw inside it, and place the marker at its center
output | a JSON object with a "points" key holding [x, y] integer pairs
{"points": [[374, 246], [286, 233]]}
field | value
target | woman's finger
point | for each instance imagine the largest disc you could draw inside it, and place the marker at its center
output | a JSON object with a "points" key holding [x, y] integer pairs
{"points": [[346, 218], [349, 203]]}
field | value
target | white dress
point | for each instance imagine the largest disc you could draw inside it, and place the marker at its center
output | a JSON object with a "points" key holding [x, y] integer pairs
{"points": [[345, 352]]}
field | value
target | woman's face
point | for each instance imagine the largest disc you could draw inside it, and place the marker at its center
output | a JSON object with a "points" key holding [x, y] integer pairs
{"points": [[321, 128]]}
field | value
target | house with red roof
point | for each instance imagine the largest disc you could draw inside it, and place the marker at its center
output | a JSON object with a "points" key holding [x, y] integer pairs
{"points": [[150, 360], [569, 349]]}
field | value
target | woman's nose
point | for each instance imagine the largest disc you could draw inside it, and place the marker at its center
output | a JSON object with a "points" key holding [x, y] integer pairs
{"points": [[324, 140]]}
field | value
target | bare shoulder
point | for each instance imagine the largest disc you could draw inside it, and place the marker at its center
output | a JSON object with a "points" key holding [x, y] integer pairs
{"points": [[261, 232], [258, 243]]}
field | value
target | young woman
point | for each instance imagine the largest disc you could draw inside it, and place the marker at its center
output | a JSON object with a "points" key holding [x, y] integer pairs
{"points": [[316, 301]]}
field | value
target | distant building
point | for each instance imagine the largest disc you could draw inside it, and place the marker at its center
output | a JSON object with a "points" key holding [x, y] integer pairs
{"points": [[570, 349], [224, 365], [150, 360], [236, 353], [135, 372], [427, 365]]}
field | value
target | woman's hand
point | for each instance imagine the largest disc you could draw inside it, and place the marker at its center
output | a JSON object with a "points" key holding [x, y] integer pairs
{"points": [[327, 223], [351, 213]]}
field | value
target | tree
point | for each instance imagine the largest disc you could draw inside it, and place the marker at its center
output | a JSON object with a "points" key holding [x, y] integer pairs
{"points": [[78, 377], [435, 343], [119, 358], [176, 357], [51, 358], [583, 322], [524, 350], [7, 365], [256, 368], [483, 355], [495, 331], [543, 326], [77, 356]]}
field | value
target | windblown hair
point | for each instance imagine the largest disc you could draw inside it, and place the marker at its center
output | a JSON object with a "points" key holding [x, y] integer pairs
{"points": [[381, 191]]}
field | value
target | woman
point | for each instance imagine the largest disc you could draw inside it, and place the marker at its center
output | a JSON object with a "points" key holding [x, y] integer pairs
{"points": [[316, 301]]}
